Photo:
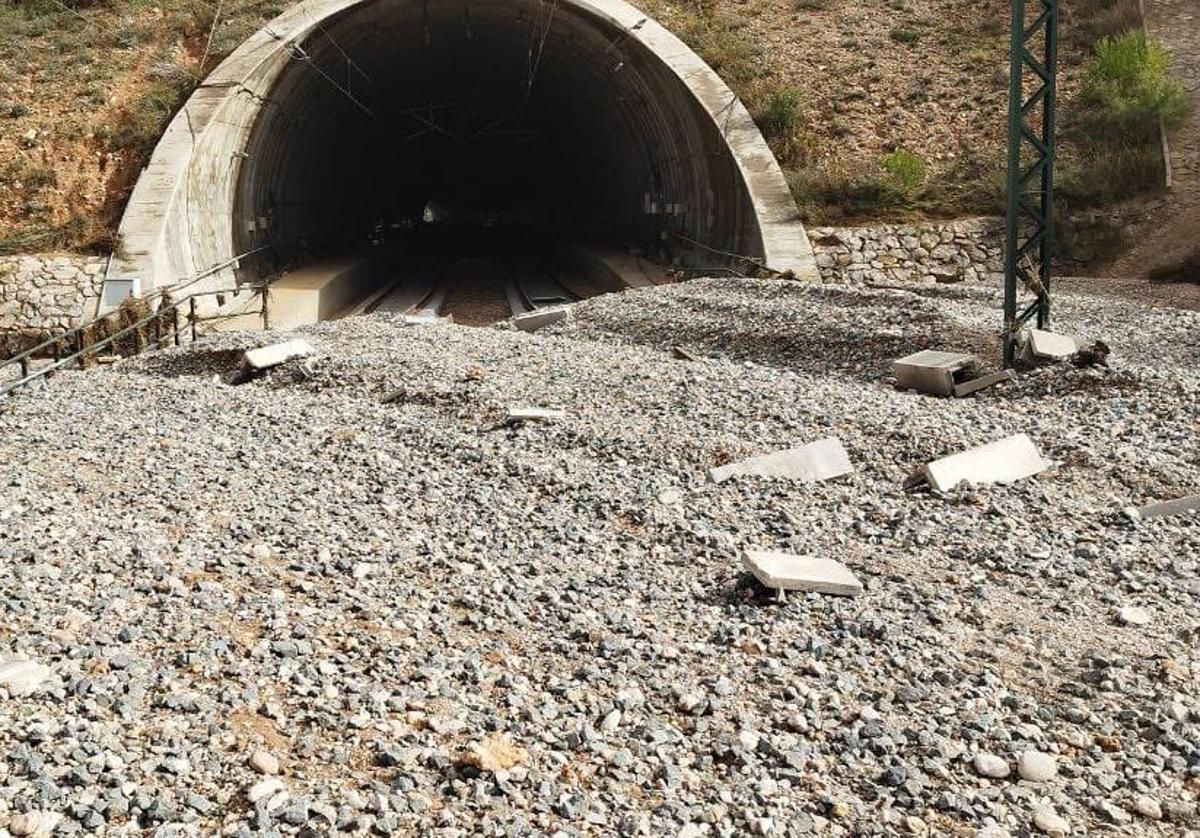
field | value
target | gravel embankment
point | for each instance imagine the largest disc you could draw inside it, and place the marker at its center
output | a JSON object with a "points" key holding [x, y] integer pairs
{"points": [[375, 595]]}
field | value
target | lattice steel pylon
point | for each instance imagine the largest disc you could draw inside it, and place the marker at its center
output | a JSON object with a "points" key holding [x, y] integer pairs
{"points": [[1029, 234]]}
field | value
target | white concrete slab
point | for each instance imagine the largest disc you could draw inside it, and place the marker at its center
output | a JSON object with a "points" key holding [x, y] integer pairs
{"points": [[783, 571], [279, 353], [1050, 346], [1004, 461], [20, 678], [824, 459], [931, 371], [983, 382], [536, 414], [535, 320], [1170, 507]]}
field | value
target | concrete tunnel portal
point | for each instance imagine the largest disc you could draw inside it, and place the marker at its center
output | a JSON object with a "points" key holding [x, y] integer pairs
{"points": [[345, 122]]}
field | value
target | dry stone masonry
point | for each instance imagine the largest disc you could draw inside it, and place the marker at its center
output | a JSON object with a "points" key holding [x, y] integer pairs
{"points": [[953, 251], [47, 293]]}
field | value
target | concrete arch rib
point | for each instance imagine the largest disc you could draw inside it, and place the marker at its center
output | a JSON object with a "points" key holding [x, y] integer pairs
{"points": [[194, 212]]}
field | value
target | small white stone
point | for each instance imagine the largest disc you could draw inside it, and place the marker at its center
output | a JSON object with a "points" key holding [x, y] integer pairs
{"points": [[264, 762], [611, 721], [1050, 822], [34, 823], [1148, 807], [1036, 766], [264, 788], [990, 765], [1132, 615]]}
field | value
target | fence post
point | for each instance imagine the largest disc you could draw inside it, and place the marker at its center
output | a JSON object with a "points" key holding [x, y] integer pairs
{"points": [[175, 322], [192, 316], [266, 311]]}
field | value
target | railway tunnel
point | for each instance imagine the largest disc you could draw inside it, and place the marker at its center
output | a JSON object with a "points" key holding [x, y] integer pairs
{"points": [[347, 125]]}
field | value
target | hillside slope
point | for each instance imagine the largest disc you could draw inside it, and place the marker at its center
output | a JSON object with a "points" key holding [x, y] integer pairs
{"points": [[85, 92]]}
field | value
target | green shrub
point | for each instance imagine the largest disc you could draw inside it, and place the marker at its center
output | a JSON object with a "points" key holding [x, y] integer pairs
{"points": [[902, 35], [904, 173], [1127, 88], [781, 113]]}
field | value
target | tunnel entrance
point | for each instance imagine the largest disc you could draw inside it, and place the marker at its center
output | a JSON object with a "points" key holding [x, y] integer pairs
{"points": [[524, 113], [351, 123]]}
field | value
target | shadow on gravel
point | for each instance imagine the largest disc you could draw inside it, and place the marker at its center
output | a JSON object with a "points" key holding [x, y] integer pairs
{"points": [[860, 340], [191, 361]]}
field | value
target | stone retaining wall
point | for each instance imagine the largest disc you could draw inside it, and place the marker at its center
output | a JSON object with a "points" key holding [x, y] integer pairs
{"points": [[41, 295], [951, 251], [50, 293]]}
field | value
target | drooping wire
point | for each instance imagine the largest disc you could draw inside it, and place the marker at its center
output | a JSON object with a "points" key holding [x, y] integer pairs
{"points": [[533, 61]]}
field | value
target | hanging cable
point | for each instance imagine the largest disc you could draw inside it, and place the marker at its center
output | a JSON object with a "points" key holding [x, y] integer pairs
{"points": [[533, 63]]}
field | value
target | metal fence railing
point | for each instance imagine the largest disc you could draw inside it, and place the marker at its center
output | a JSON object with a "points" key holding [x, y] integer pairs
{"points": [[170, 322]]}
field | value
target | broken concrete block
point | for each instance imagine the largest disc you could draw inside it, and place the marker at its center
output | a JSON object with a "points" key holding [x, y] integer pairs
{"points": [[1004, 461], [934, 372], [785, 572], [983, 382], [820, 460], [1170, 507], [536, 414], [535, 320], [20, 678], [280, 353], [1041, 345]]}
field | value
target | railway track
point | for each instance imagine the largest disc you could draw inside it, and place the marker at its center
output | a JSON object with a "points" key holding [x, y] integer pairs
{"points": [[472, 290]]}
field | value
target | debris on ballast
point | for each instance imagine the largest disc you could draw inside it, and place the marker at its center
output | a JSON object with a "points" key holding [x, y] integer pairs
{"points": [[1037, 346], [824, 459], [1003, 461], [786, 572], [1095, 355], [517, 415], [542, 317], [934, 372], [990, 379], [1166, 508]]}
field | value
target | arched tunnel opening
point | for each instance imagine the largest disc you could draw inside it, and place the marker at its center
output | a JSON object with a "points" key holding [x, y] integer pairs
{"points": [[486, 131]]}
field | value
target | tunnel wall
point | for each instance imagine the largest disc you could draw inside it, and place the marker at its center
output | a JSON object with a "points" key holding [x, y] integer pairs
{"points": [[207, 207]]}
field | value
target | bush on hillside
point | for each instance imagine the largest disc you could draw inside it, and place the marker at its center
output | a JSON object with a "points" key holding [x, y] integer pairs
{"points": [[1128, 89], [905, 174], [781, 113]]}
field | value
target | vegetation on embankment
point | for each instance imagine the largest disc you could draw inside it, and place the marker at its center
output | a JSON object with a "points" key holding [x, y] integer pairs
{"points": [[879, 109]]}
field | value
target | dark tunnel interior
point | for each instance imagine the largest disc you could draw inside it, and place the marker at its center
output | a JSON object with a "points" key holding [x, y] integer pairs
{"points": [[528, 114]]}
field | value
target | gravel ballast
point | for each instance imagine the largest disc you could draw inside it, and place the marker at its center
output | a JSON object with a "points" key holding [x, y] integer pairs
{"points": [[288, 607]]}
